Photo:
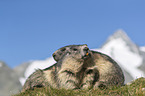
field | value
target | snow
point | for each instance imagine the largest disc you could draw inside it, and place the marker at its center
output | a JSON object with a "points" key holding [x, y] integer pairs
{"points": [[119, 50], [22, 80], [38, 64], [142, 48]]}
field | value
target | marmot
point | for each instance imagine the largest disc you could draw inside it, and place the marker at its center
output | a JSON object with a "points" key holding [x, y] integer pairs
{"points": [[41, 78], [110, 73], [70, 67], [66, 73]]}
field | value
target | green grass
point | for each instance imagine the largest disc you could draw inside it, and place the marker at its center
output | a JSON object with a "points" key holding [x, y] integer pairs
{"points": [[134, 89]]}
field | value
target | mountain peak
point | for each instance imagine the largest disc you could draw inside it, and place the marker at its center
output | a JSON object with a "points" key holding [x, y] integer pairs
{"points": [[120, 37], [120, 34], [120, 31]]}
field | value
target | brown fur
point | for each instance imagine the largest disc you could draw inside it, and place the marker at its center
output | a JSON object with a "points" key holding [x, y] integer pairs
{"points": [[69, 73], [110, 74], [96, 70], [66, 73], [41, 78], [105, 70]]}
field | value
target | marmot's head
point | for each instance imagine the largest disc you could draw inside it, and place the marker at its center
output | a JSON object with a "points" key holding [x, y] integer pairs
{"points": [[81, 51]]}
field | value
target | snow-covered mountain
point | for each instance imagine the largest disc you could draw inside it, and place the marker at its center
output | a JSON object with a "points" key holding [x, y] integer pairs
{"points": [[129, 56], [142, 48]]}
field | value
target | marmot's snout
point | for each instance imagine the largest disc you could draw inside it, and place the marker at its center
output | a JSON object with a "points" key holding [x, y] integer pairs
{"points": [[86, 53]]}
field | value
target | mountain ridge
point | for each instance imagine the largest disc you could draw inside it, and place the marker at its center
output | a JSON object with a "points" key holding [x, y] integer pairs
{"points": [[9, 81]]}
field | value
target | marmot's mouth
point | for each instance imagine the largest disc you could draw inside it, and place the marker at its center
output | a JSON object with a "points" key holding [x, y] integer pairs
{"points": [[86, 56]]}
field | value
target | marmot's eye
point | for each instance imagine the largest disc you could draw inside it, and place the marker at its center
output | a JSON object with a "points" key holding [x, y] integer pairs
{"points": [[75, 49], [86, 49]]}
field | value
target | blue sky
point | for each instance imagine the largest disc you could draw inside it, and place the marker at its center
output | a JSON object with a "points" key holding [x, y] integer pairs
{"points": [[34, 29]]}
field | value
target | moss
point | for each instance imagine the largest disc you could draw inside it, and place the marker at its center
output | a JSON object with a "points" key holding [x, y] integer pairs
{"points": [[134, 89]]}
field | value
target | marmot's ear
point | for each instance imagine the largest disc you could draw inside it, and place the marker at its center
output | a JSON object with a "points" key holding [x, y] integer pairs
{"points": [[57, 55]]}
